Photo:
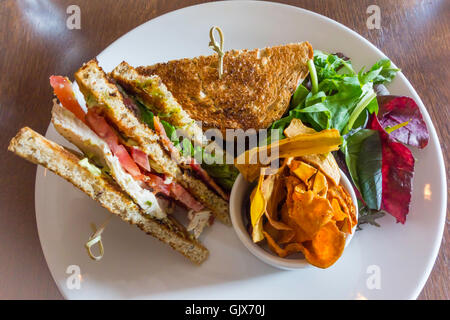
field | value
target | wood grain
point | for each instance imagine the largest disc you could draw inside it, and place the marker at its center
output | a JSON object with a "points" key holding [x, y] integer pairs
{"points": [[35, 43]]}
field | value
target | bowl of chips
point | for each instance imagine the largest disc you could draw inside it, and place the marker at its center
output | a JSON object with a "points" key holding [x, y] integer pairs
{"points": [[301, 212], [294, 259]]}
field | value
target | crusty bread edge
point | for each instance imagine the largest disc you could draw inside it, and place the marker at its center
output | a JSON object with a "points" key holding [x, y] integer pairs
{"points": [[159, 97], [33, 147]]}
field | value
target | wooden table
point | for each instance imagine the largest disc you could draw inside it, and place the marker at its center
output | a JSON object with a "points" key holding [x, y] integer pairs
{"points": [[35, 43]]}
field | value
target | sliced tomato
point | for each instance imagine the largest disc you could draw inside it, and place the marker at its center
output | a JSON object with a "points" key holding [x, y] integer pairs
{"points": [[98, 123], [127, 162], [182, 195], [63, 90], [140, 157], [207, 179]]}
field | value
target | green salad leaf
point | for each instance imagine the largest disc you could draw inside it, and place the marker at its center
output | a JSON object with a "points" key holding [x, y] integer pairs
{"points": [[339, 98], [223, 174], [351, 149], [146, 114], [369, 171], [299, 96], [387, 72], [363, 157]]}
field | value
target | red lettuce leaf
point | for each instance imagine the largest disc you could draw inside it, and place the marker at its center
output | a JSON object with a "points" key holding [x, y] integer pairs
{"points": [[397, 174], [394, 110]]}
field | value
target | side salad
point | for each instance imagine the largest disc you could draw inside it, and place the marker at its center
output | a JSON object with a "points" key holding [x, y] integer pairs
{"points": [[376, 128]]}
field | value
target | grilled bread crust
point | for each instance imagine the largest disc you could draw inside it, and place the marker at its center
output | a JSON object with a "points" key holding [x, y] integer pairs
{"points": [[255, 88], [95, 85], [33, 147]]}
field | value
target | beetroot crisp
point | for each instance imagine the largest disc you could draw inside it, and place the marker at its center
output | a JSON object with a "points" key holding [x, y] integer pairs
{"points": [[397, 172]]}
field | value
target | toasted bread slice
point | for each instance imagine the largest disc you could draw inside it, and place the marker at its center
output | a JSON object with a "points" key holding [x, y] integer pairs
{"points": [[99, 91], [254, 91], [152, 92], [35, 148]]}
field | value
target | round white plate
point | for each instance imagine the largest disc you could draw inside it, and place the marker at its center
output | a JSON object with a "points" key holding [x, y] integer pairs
{"points": [[138, 266]]}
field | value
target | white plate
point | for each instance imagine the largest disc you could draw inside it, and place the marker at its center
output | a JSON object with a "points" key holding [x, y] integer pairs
{"points": [[138, 266]]}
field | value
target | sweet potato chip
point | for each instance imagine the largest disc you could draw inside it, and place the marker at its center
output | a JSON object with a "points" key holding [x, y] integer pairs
{"points": [[286, 236], [282, 252], [345, 202], [351, 206], [291, 183], [305, 144], [325, 162], [300, 188], [326, 247], [274, 246], [310, 212], [297, 127], [277, 224], [339, 215], [278, 194], [346, 226], [320, 185], [257, 208], [344, 219], [267, 187], [302, 170], [300, 234], [257, 202], [257, 231], [295, 232], [293, 247], [273, 232], [284, 214]]}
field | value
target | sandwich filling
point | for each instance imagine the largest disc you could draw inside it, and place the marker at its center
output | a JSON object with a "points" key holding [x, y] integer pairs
{"points": [[150, 98], [98, 152], [105, 147]]}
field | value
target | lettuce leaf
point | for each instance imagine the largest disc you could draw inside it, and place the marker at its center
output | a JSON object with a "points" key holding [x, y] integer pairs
{"points": [[344, 99]]}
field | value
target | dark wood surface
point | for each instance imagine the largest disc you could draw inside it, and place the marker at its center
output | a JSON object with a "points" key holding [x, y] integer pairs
{"points": [[35, 43]]}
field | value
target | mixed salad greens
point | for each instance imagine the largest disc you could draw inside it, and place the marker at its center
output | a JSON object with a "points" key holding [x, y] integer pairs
{"points": [[374, 128]]}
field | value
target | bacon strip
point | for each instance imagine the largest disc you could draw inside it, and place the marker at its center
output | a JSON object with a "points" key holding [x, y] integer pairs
{"points": [[157, 184], [168, 144], [182, 195], [97, 123], [195, 166], [140, 157], [173, 190]]}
